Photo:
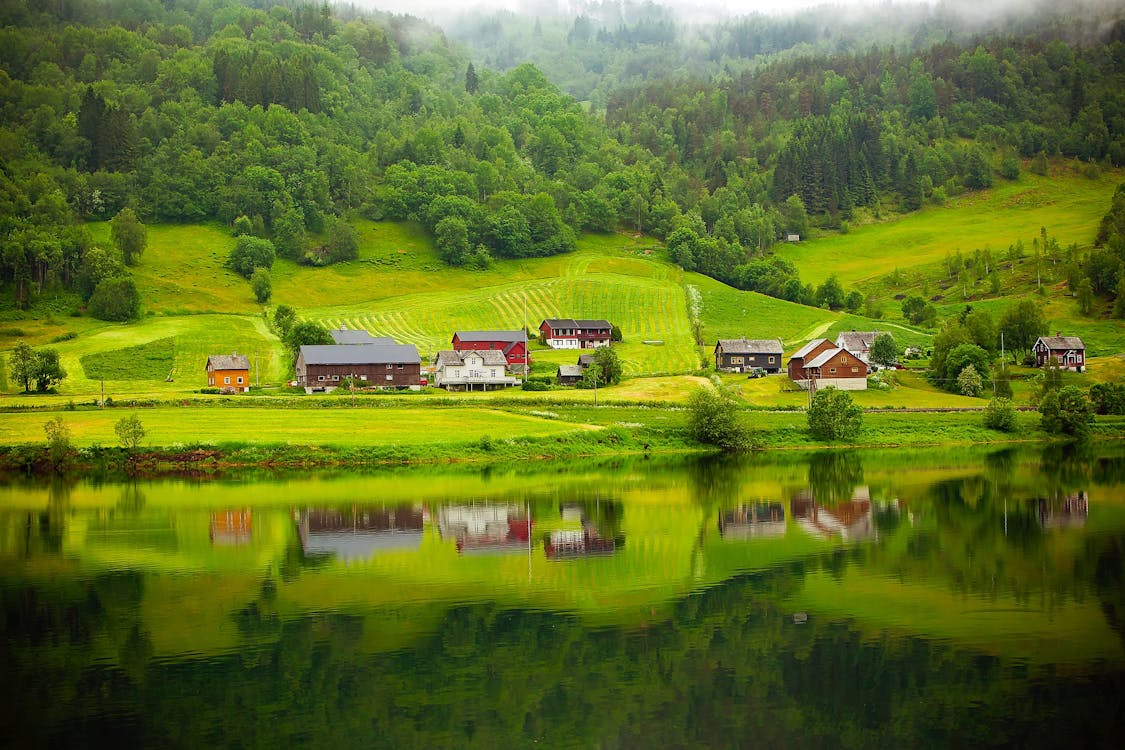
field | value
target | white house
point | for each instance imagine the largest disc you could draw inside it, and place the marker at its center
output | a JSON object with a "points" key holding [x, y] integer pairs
{"points": [[483, 370]]}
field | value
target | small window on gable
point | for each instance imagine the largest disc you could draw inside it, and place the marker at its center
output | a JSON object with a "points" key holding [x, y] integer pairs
{"points": [[855, 369]]}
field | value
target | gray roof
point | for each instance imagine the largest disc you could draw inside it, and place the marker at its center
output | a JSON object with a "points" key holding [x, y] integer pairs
{"points": [[804, 350], [353, 337], [491, 357], [1055, 343], [585, 360], [570, 371], [856, 341], [573, 323], [360, 354], [505, 336], [228, 362], [751, 346], [824, 356]]}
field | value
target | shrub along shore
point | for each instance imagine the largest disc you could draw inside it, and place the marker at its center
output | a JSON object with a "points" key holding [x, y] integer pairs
{"points": [[301, 438]]}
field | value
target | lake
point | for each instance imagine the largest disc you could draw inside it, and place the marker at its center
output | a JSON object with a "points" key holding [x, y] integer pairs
{"points": [[948, 598]]}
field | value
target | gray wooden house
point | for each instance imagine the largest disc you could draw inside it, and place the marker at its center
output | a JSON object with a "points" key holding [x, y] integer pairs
{"points": [[743, 355]]}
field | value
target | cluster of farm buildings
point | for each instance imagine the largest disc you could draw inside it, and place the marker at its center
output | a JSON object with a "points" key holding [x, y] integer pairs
{"points": [[490, 360]]}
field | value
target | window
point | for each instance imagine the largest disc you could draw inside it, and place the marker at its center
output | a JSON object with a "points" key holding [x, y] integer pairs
{"points": [[363, 377], [401, 367], [390, 377], [320, 377], [239, 380], [492, 373], [832, 370], [210, 380], [389, 366], [855, 370], [226, 380], [770, 360], [736, 360], [843, 360], [335, 377]]}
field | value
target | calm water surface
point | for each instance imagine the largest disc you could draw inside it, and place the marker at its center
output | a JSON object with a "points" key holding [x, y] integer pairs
{"points": [[941, 599]]}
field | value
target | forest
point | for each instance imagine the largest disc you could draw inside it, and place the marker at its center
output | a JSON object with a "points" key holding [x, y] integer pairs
{"points": [[278, 118]]}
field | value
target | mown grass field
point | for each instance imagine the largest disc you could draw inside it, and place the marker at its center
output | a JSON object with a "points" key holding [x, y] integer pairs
{"points": [[314, 426], [1067, 204]]}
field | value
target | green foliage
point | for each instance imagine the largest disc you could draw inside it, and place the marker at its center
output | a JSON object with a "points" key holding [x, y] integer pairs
{"points": [[261, 284], [129, 236], [916, 310], [713, 420], [884, 350], [1085, 295], [1002, 383], [59, 447], [609, 365], [1066, 411], [116, 299], [343, 242], [833, 416], [130, 431], [305, 333], [23, 364], [1000, 415], [283, 319], [150, 361], [1021, 324], [48, 370], [1108, 398], [250, 253]]}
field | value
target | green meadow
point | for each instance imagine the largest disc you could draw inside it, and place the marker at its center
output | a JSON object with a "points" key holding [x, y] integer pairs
{"points": [[1067, 204]]}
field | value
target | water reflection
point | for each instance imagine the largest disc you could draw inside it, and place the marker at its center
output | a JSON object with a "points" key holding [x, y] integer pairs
{"points": [[952, 600]]}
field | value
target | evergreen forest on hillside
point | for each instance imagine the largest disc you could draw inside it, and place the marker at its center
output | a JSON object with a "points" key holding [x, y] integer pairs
{"points": [[282, 119]]}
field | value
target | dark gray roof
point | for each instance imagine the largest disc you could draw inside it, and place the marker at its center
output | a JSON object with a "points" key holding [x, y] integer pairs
{"points": [[1062, 342], [505, 336], [491, 358], [360, 354], [570, 371], [353, 337], [228, 362], [573, 323], [751, 346], [856, 341], [585, 360]]}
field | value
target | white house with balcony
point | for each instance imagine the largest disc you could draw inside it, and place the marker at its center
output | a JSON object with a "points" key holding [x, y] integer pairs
{"points": [[484, 370]]}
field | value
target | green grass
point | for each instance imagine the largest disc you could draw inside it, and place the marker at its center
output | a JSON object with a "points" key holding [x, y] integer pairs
{"points": [[1068, 205], [151, 361]]}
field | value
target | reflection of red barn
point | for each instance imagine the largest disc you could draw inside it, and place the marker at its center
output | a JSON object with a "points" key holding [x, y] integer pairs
{"points": [[485, 528], [850, 520], [231, 527]]}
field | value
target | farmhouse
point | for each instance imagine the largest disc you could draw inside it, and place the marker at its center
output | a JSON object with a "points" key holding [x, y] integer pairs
{"points": [[567, 333], [512, 343], [485, 370], [229, 371], [358, 532], [820, 363], [858, 343], [568, 374], [742, 355], [322, 367], [346, 336], [1066, 352]]}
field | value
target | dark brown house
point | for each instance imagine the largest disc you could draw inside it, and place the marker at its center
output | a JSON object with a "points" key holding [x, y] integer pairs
{"points": [[323, 367], [743, 355], [1065, 352]]}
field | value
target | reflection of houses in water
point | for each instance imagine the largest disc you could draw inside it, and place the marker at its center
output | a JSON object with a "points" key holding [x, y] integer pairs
{"points": [[851, 520], [584, 542], [485, 528], [359, 532], [756, 520], [230, 528], [1059, 513]]}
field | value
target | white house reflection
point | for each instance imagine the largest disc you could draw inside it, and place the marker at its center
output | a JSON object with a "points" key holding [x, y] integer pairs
{"points": [[483, 528], [748, 521], [359, 532]]}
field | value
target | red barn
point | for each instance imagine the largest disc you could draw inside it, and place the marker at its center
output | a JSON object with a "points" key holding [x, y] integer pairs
{"points": [[821, 363], [512, 343]]}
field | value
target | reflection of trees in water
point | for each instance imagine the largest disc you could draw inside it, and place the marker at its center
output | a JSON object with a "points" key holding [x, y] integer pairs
{"points": [[132, 499], [834, 475]]}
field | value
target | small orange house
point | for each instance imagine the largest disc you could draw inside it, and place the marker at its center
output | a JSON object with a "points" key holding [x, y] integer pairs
{"points": [[229, 371]]}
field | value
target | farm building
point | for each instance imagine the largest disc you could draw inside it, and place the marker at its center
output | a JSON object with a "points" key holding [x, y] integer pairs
{"points": [[820, 363], [742, 355], [568, 374], [585, 360], [568, 333], [858, 343], [229, 371], [322, 367], [1066, 352], [513, 344], [352, 337], [358, 532], [485, 370]]}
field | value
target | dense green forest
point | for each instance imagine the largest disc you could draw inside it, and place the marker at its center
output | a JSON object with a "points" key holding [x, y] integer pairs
{"points": [[276, 117]]}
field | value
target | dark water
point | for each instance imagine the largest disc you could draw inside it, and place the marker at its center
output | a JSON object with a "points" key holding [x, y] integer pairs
{"points": [[943, 599]]}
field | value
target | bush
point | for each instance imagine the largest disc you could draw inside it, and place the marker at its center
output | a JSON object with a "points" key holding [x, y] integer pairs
{"points": [[713, 420], [1066, 411], [833, 416], [1000, 415], [535, 385], [116, 299], [1108, 398], [250, 253]]}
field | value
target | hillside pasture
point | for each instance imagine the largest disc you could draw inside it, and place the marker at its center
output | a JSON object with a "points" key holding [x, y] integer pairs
{"points": [[1067, 204]]}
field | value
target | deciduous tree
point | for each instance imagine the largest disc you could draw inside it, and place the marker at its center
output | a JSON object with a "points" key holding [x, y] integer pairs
{"points": [[129, 235], [833, 416]]}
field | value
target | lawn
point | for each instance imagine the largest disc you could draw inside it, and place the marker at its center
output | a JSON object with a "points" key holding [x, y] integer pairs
{"points": [[1068, 205], [393, 426]]}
